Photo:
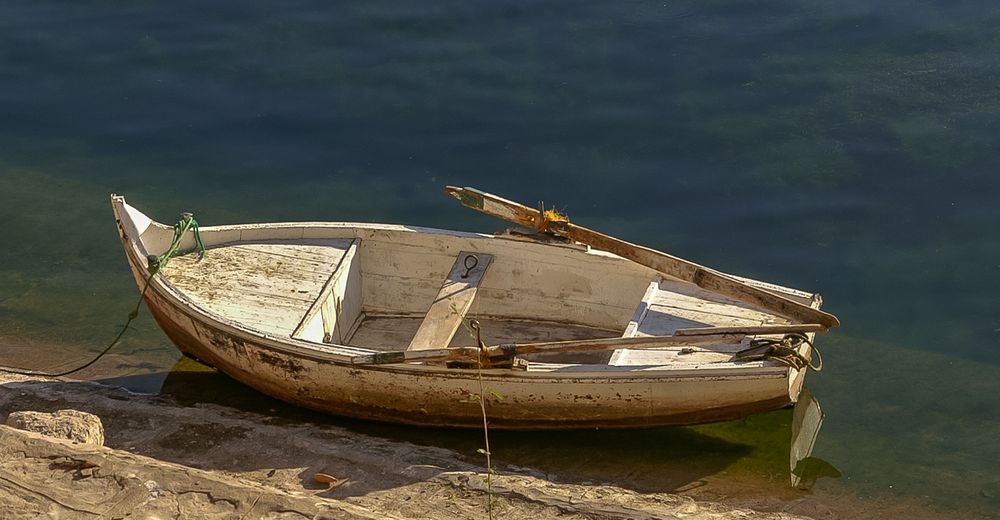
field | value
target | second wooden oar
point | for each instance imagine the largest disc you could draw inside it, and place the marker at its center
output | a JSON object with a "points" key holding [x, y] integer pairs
{"points": [[752, 330], [510, 350], [679, 268]]}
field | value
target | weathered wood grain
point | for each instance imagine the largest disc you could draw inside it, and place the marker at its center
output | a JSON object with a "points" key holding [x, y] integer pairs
{"points": [[339, 302], [514, 349], [643, 308], [267, 285], [453, 300], [664, 263]]}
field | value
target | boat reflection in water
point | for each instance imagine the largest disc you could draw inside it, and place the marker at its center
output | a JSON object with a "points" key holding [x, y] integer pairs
{"points": [[807, 419]]}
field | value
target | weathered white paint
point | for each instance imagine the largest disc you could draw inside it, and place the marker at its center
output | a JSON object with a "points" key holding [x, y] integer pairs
{"points": [[268, 285], [338, 305], [640, 312], [447, 313], [532, 289]]}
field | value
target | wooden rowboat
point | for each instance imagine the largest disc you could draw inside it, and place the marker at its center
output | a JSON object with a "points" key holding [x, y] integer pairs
{"points": [[372, 321]]}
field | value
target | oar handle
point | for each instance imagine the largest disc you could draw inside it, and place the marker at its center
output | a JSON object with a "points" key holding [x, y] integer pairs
{"points": [[752, 331]]}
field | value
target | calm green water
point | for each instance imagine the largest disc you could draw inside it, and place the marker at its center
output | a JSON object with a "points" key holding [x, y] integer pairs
{"points": [[843, 147]]}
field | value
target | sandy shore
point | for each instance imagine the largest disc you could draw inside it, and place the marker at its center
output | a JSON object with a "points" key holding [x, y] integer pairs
{"points": [[165, 460]]}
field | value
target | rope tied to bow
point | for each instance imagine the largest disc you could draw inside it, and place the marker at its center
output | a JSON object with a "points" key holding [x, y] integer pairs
{"points": [[185, 224], [156, 264]]}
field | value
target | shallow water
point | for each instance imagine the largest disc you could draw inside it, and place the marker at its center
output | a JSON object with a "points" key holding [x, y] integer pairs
{"points": [[845, 147]]}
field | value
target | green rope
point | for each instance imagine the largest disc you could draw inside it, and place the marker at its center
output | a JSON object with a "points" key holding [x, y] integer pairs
{"points": [[156, 264], [187, 222]]}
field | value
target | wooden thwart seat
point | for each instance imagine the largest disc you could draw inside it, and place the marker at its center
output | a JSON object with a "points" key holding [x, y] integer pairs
{"points": [[452, 302], [640, 312], [632, 328], [338, 304], [672, 307]]}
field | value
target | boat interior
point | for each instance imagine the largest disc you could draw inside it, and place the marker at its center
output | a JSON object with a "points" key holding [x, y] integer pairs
{"points": [[388, 288]]}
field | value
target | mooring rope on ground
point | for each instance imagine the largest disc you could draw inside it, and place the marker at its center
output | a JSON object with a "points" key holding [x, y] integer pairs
{"points": [[156, 264]]}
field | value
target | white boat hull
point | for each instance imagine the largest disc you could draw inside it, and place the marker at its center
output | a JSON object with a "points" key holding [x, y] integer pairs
{"points": [[546, 396]]}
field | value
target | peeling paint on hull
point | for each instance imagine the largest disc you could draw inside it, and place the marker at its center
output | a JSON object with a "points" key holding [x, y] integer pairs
{"points": [[418, 398]]}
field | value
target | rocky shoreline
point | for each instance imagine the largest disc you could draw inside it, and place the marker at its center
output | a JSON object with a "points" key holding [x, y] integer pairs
{"points": [[165, 460]]}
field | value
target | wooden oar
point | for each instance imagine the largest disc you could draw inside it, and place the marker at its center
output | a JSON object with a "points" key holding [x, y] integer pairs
{"points": [[752, 331], [679, 268], [508, 351]]}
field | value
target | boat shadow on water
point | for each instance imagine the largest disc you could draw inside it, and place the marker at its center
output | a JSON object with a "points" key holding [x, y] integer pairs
{"points": [[663, 459], [227, 419]]}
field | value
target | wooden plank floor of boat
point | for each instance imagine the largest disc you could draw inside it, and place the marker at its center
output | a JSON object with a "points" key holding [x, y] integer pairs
{"points": [[267, 285]]}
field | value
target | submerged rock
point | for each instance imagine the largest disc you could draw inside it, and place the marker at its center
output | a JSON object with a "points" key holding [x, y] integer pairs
{"points": [[73, 425]]}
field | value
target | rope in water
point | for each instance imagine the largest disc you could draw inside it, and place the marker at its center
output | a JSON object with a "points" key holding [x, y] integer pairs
{"points": [[156, 264]]}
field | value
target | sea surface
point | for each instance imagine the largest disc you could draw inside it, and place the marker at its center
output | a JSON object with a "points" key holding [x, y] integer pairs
{"points": [[845, 147]]}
